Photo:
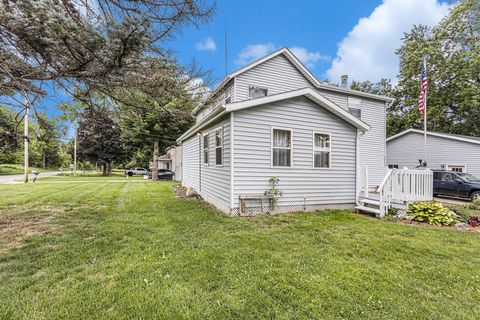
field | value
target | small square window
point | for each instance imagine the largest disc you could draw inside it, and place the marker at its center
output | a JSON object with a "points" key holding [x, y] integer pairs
{"points": [[393, 166], [355, 112], [256, 92]]}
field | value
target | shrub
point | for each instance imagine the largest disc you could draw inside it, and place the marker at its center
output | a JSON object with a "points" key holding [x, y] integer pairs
{"points": [[476, 201], [432, 213]]}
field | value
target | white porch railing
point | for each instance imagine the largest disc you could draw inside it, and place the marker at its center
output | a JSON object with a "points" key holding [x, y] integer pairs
{"points": [[404, 185]]}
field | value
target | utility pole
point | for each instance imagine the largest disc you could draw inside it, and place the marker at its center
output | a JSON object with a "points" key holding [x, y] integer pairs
{"points": [[25, 145], [75, 154]]}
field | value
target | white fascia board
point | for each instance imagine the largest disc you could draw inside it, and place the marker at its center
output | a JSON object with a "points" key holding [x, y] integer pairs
{"points": [[354, 92], [307, 92]]}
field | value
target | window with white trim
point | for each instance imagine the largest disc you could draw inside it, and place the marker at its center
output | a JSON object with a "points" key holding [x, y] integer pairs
{"points": [[219, 146], [281, 148], [393, 166], [322, 150], [256, 92], [205, 149]]}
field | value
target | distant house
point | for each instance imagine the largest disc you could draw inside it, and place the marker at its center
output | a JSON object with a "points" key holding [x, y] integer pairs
{"points": [[172, 160], [274, 118], [444, 151]]}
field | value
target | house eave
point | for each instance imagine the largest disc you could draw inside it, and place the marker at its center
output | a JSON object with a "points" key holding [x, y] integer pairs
{"points": [[310, 94], [330, 87], [432, 134]]}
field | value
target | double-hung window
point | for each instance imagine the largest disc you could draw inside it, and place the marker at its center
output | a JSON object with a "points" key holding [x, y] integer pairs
{"points": [[219, 146], [205, 149], [322, 150], [281, 148]]}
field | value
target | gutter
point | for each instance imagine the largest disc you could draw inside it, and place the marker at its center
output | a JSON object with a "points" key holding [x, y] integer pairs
{"points": [[330, 87]]}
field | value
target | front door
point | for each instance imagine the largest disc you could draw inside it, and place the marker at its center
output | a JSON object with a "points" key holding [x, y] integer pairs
{"points": [[448, 184]]}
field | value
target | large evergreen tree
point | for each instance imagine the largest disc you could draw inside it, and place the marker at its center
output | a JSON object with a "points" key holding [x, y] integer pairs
{"points": [[152, 127], [99, 138]]}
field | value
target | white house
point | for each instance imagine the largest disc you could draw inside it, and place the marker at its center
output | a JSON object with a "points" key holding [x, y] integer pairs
{"points": [[445, 151], [172, 160], [273, 118]]}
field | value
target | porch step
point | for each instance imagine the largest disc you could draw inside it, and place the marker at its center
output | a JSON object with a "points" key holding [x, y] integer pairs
{"points": [[368, 209], [370, 201]]}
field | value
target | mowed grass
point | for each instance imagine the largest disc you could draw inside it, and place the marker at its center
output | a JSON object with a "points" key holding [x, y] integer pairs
{"points": [[124, 250], [6, 169]]}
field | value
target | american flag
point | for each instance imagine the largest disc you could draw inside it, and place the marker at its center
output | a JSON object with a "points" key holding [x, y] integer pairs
{"points": [[422, 100]]}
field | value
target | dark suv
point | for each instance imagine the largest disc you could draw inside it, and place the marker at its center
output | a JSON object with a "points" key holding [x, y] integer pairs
{"points": [[456, 184], [163, 174]]}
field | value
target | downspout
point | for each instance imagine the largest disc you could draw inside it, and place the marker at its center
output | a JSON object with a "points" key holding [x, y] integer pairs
{"points": [[199, 135], [358, 168], [232, 161]]}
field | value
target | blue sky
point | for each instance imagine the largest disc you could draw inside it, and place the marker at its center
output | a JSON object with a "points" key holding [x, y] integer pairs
{"points": [[314, 25], [353, 37]]}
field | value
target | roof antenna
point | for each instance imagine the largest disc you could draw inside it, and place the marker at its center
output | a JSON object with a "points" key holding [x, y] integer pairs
{"points": [[225, 43]]}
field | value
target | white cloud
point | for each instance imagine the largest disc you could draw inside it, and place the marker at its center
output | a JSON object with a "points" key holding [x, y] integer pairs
{"points": [[253, 52], [206, 44], [368, 51], [308, 58], [198, 88]]}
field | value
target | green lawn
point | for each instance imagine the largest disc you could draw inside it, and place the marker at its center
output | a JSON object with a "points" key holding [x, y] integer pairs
{"points": [[6, 169], [124, 250]]}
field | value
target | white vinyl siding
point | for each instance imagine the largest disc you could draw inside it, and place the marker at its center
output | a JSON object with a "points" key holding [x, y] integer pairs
{"points": [[372, 144], [191, 162], [215, 179], [276, 75], [408, 149], [253, 129]]}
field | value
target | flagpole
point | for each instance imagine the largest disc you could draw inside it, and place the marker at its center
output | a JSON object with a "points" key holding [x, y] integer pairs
{"points": [[425, 118]]}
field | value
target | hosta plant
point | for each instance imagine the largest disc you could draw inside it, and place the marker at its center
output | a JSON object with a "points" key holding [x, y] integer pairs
{"points": [[433, 213]]}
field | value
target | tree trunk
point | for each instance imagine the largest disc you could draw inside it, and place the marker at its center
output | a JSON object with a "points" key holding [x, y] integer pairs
{"points": [[44, 160], [104, 169], [109, 168], [156, 142]]}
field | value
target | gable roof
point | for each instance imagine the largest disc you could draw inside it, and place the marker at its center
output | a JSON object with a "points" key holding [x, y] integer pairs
{"points": [[301, 68], [457, 137], [309, 93], [289, 55]]}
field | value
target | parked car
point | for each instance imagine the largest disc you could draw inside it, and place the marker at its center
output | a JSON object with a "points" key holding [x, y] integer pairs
{"points": [[163, 174], [456, 184], [136, 171]]}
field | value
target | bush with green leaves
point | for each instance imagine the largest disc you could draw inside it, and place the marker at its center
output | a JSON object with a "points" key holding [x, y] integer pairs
{"points": [[433, 213], [476, 201]]}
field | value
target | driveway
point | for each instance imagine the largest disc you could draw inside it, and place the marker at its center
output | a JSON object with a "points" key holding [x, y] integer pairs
{"points": [[8, 179], [452, 201]]}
